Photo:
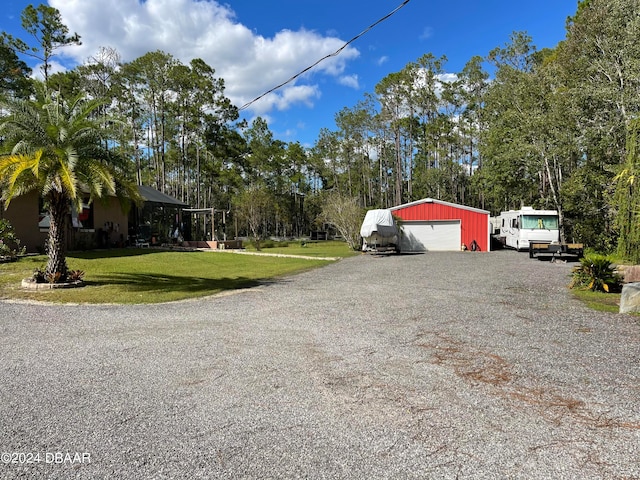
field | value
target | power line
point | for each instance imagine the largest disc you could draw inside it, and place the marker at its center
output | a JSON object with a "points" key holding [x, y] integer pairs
{"points": [[334, 54]]}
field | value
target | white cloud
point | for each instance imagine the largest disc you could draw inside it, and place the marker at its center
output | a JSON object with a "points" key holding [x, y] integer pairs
{"points": [[54, 67], [440, 78], [298, 94], [285, 98], [447, 77], [382, 60], [426, 33], [289, 133], [249, 63], [349, 81]]}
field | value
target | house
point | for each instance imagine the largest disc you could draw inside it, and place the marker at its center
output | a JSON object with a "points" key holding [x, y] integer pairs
{"points": [[434, 225], [102, 223]]}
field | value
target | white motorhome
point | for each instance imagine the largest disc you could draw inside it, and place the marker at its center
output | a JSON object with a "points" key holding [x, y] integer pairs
{"points": [[520, 228]]}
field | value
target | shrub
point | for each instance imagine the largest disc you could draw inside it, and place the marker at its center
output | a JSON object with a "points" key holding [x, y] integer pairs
{"points": [[596, 273], [75, 275], [38, 275], [345, 215], [9, 243], [267, 244]]}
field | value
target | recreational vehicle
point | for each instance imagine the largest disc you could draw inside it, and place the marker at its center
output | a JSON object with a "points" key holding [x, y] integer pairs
{"points": [[520, 228]]}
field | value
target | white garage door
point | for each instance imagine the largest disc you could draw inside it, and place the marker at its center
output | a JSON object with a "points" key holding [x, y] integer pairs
{"points": [[441, 235]]}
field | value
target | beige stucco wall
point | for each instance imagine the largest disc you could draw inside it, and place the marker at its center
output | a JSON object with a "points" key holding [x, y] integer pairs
{"points": [[23, 213], [110, 218]]}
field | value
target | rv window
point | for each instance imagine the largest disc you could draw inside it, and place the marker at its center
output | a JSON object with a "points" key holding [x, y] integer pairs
{"points": [[540, 222], [514, 223]]}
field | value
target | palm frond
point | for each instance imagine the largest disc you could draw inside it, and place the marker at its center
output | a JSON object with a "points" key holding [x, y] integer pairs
{"points": [[17, 172], [8, 163], [127, 193], [67, 179], [70, 157], [102, 178]]}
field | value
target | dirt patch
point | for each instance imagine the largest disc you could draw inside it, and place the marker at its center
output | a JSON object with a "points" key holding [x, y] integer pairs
{"points": [[479, 367]]}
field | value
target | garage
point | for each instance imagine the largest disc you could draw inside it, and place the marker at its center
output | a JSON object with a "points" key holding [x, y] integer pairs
{"points": [[435, 225], [430, 236]]}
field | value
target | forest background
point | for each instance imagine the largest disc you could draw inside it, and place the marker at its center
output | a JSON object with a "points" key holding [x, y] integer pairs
{"points": [[552, 128]]}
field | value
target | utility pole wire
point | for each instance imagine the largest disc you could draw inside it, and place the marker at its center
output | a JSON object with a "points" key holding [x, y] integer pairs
{"points": [[334, 54]]}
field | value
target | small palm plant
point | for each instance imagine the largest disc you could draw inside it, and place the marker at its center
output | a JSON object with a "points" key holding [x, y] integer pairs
{"points": [[596, 273]]}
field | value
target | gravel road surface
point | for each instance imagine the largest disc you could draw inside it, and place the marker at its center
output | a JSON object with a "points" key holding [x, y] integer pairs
{"points": [[442, 365]]}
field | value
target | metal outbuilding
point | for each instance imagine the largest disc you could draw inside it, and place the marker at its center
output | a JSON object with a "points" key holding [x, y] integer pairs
{"points": [[434, 225]]}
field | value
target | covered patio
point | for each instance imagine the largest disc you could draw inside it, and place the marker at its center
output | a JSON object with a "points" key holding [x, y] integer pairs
{"points": [[160, 219]]}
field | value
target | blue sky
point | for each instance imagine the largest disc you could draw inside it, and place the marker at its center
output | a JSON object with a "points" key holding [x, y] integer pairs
{"points": [[256, 45]]}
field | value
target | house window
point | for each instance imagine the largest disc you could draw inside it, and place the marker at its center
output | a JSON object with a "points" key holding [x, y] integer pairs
{"points": [[82, 219], [85, 216]]}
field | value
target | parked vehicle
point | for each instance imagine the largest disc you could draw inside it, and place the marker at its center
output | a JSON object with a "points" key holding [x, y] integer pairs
{"points": [[556, 250], [537, 231], [520, 228], [379, 231]]}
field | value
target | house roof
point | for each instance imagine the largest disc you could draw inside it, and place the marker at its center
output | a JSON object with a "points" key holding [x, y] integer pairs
{"points": [[440, 202], [151, 195]]}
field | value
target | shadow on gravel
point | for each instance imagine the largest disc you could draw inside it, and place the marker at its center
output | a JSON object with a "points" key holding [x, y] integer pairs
{"points": [[394, 254]]}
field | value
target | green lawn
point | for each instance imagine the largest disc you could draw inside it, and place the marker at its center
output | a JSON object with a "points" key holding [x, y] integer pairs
{"points": [[600, 301], [150, 276], [331, 248]]}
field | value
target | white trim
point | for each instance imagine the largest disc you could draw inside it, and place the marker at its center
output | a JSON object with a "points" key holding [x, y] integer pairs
{"points": [[440, 202], [446, 238]]}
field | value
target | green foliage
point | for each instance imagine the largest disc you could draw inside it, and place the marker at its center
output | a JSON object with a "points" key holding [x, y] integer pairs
{"points": [[596, 273], [9, 243], [267, 244], [38, 275], [588, 214], [14, 73], [627, 198]]}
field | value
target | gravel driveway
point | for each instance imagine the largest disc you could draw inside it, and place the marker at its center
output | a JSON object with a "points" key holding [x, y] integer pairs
{"points": [[443, 365]]}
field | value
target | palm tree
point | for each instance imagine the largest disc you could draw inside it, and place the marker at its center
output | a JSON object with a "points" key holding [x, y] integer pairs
{"points": [[58, 148]]}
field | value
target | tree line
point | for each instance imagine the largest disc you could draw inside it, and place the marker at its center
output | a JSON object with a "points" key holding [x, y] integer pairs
{"points": [[552, 128]]}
